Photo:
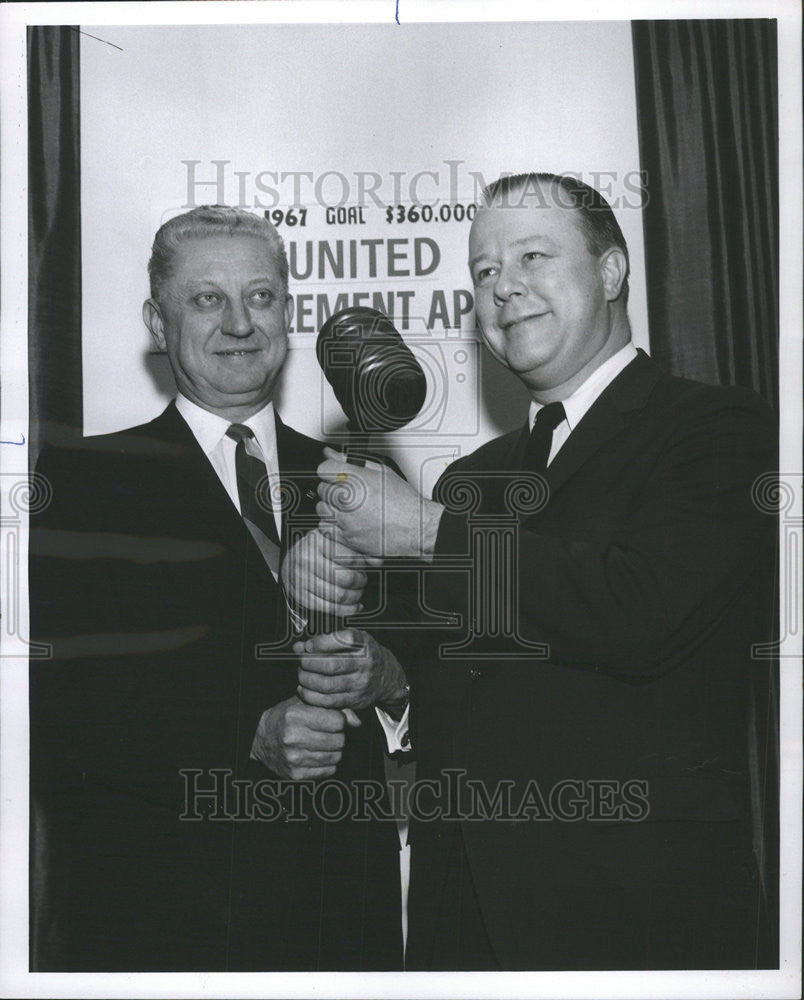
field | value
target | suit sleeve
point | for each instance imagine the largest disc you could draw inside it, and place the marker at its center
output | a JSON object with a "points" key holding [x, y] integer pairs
{"points": [[633, 600]]}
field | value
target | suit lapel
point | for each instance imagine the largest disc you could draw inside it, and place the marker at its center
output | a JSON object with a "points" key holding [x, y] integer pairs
{"points": [[516, 455], [599, 424], [603, 420], [197, 497]]}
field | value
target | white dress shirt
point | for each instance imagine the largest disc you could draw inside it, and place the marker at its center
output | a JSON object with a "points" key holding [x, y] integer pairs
{"points": [[576, 405], [209, 431]]}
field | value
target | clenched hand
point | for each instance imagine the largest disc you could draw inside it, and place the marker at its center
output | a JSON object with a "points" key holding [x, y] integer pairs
{"points": [[298, 741], [350, 669]]}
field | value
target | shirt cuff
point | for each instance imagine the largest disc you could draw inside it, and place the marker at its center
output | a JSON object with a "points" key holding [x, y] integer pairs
{"points": [[396, 732]]}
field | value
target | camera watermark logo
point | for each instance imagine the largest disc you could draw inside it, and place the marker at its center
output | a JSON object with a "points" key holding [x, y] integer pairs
{"points": [[450, 361]]}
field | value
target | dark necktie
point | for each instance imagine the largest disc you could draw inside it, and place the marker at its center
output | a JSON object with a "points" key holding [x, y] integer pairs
{"points": [[537, 450], [253, 486]]}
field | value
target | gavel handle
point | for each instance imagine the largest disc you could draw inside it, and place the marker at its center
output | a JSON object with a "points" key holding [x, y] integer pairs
{"points": [[357, 446]]}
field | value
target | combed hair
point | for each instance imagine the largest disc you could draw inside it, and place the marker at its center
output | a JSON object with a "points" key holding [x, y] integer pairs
{"points": [[597, 220], [205, 221]]}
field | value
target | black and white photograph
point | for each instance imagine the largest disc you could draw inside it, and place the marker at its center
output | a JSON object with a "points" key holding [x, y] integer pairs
{"points": [[401, 499]]}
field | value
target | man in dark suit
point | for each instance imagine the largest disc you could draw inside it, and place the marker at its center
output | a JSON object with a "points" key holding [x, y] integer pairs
{"points": [[584, 732], [167, 714]]}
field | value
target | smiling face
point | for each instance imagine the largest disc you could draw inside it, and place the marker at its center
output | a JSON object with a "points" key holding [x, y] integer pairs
{"points": [[223, 317], [545, 304]]}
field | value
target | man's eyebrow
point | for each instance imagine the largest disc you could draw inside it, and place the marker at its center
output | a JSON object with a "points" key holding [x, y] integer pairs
{"points": [[530, 239], [515, 243], [259, 280]]}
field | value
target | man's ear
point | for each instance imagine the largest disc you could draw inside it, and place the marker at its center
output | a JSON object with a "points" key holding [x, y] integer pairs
{"points": [[613, 270], [288, 311], [152, 317]]}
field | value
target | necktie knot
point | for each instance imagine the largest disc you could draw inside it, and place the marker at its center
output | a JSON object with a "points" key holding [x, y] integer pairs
{"points": [[541, 437], [239, 432], [549, 416]]}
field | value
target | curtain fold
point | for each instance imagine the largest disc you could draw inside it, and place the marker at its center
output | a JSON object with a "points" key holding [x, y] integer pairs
{"points": [[54, 235], [54, 339], [708, 128], [707, 109]]}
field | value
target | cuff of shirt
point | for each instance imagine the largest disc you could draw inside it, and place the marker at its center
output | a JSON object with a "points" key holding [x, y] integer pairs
{"points": [[396, 732]]}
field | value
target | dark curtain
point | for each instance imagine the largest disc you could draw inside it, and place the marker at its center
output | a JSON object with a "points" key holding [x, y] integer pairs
{"points": [[708, 139], [54, 235], [707, 112], [54, 327]]}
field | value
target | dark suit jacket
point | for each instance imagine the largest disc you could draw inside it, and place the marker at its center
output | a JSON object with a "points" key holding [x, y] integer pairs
{"points": [[154, 596], [647, 576]]}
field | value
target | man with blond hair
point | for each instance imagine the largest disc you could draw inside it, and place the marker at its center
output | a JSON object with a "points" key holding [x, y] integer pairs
{"points": [[584, 729]]}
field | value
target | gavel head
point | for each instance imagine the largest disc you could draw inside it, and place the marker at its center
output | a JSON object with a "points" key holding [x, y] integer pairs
{"points": [[373, 373]]}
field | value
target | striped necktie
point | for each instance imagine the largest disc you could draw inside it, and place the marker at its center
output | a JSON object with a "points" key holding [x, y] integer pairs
{"points": [[254, 492]]}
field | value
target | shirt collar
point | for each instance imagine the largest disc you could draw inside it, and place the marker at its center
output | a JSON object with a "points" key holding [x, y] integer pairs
{"points": [[209, 429], [576, 405]]}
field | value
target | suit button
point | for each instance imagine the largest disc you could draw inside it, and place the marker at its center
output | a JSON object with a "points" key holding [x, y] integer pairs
{"points": [[475, 673]]}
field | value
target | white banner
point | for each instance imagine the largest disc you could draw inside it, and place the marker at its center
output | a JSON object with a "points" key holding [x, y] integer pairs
{"points": [[368, 147]]}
